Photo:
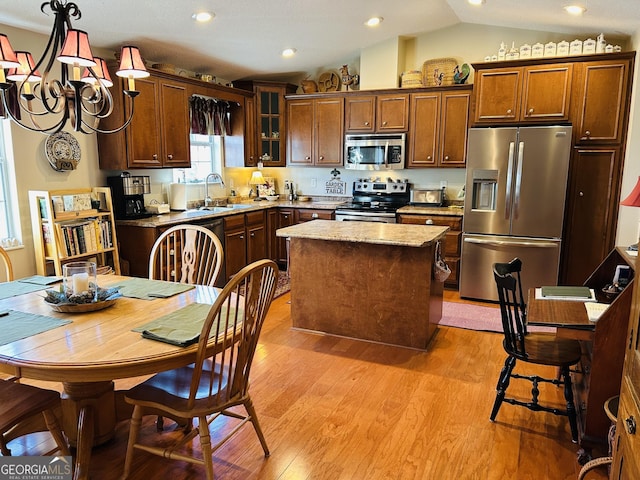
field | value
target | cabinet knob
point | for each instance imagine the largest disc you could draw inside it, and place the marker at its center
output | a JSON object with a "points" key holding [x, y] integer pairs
{"points": [[429, 222], [286, 216], [155, 156], [587, 133], [253, 234], [509, 112], [307, 158], [630, 425], [321, 157], [581, 194], [366, 124], [241, 237], [530, 111], [446, 157], [429, 157], [314, 215], [384, 124], [170, 157]]}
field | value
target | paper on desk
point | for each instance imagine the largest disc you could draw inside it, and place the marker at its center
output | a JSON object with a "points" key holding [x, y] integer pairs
{"points": [[595, 310], [592, 298]]}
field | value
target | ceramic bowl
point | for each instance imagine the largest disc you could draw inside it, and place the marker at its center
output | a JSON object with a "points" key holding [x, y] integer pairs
{"points": [[273, 198]]}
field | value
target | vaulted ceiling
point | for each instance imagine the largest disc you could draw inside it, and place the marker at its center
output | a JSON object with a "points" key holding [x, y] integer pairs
{"points": [[246, 37]]}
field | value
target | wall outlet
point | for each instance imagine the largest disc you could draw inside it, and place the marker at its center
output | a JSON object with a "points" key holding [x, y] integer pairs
{"points": [[287, 185], [443, 184], [314, 183]]}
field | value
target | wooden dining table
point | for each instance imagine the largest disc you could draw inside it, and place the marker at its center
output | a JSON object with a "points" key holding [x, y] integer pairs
{"points": [[89, 353]]}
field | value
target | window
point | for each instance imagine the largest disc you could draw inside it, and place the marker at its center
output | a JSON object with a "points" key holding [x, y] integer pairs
{"points": [[9, 218], [206, 158]]}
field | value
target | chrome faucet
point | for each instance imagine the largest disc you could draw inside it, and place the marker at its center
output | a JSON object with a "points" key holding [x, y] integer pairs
{"points": [[216, 179]]}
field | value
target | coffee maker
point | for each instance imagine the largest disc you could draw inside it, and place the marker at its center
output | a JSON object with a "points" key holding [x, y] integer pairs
{"points": [[127, 193]]}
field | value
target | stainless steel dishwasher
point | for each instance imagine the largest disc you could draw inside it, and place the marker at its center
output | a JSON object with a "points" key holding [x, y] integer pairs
{"points": [[216, 225]]}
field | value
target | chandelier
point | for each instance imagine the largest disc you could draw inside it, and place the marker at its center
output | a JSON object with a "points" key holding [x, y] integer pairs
{"points": [[80, 94]]}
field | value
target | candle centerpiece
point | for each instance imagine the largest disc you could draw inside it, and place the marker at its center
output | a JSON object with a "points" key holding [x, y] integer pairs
{"points": [[79, 282]]}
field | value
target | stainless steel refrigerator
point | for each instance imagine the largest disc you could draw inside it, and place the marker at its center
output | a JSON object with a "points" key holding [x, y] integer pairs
{"points": [[516, 183]]}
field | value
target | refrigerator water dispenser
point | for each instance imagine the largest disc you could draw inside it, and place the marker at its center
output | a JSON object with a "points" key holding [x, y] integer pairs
{"points": [[485, 189]]}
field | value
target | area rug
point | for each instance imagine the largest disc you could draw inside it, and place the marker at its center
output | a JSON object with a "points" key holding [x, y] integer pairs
{"points": [[477, 317], [283, 284]]}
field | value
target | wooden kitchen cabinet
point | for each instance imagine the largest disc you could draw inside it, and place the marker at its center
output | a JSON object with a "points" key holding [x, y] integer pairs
{"points": [[531, 93], [307, 214], [452, 242], [285, 219], [377, 113], [245, 240], [439, 121], [603, 90], [158, 136], [315, 131], [270, 121], [592, 206]]}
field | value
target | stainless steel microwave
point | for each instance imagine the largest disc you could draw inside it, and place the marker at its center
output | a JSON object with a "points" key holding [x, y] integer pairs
{"points": [[374, 151]]}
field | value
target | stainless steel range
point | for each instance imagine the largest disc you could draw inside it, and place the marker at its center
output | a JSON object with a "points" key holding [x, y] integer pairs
{"points": [[375, 200]]}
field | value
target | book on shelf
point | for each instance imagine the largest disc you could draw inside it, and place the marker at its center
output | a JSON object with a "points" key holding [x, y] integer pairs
{"points": [[47, 234], [566, 292]]}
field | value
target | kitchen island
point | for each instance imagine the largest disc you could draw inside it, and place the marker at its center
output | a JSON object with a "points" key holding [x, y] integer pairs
{"points": [[365, 280]]}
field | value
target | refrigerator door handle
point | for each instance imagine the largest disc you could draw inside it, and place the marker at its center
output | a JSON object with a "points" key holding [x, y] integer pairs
{"points": [[516, 201], [502, 243], [507, 203]]}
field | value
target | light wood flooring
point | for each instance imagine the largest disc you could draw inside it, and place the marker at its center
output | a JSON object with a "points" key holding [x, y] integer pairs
{"points": [[339, 409]]}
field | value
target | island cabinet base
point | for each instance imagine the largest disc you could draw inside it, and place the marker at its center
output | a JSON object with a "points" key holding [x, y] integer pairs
{"points": [[379, 293]]}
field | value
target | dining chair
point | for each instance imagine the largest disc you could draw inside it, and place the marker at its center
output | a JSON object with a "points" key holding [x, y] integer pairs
{"points": [[22, 403], [8, 267], [186, 254], [535, 348], [219, 377]]}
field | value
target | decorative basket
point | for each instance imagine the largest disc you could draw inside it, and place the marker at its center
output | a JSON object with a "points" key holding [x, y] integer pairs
{"points": [[410, 79], [438, 71]]}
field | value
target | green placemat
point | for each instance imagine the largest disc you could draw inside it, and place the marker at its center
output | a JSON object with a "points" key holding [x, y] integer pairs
{"points": [[41, 280], [12, 289], [181, 327], [18, 325], [150, 289]]}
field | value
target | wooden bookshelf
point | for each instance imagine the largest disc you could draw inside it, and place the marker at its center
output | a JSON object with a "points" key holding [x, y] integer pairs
{"points": [[67, 228]]}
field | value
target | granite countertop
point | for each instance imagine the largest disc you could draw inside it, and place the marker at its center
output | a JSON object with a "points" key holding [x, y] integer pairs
{"points": [[367, 232], [457, 211], [177, 217]]}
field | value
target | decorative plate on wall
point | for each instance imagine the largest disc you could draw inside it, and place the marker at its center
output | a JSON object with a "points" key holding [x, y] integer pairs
{"points": [[63, 151]]}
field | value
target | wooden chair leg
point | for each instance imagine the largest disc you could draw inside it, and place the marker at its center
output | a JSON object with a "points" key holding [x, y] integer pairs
{"points": [[571, 408], [56, 432], [205, 444], [248, 405], [503, 384], [136, 421]]}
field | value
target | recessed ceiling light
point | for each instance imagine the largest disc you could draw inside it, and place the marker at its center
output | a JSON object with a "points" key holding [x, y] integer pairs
{"points": [[203, 17], [374, 21], [575, 9], [289, 52], [475, 2]]}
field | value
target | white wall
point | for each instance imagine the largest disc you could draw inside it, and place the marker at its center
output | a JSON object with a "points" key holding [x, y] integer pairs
{"points": [[629, 217]]}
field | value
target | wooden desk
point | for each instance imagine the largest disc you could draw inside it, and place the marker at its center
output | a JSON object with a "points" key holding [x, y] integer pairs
{"points": [[92, 351], [603, 345]]}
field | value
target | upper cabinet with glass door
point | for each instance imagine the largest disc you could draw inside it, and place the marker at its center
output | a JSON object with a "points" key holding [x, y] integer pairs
{"points": [[269, 142]]}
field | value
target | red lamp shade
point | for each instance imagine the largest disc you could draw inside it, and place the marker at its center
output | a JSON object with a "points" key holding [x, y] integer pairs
{"points": [[26, 71], [76, 49], [8, 58], [100, 71], [131, 64], [633, 199]]}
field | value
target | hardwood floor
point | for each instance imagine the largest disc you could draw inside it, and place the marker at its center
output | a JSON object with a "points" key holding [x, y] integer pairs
{"points": [[339, 409]]}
